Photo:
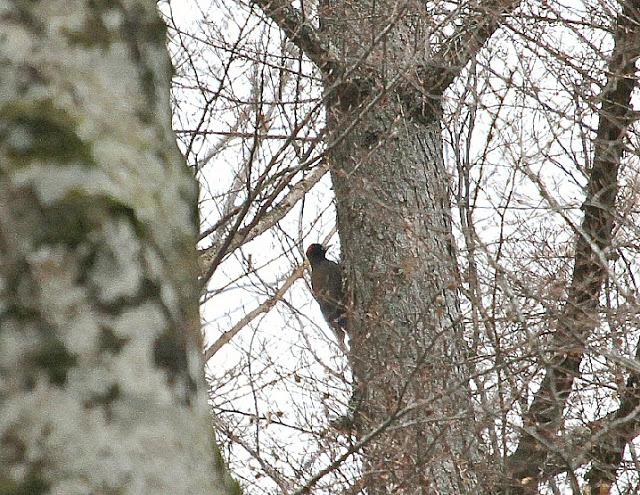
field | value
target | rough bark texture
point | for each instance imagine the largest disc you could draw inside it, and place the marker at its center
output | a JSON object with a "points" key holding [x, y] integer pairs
{"points": [[406, 343], [101, 386], [395, 229]]}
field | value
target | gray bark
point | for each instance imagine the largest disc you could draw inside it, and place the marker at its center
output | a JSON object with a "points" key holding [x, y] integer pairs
{"points": [[383, 89], [406, 339], [101, 386], [394, 222]]}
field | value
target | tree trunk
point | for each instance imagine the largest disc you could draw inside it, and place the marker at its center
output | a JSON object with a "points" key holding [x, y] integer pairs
{"points": [[101, 386], [394, 221]]}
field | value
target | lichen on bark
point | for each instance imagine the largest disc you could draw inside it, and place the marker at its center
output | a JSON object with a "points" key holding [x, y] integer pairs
{"points": [[97, 260]]}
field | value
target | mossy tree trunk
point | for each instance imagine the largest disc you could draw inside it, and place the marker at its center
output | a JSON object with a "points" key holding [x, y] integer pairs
{"points": [[101, 385]]}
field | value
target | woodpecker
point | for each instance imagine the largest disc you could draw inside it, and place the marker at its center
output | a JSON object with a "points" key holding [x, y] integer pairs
{"points": [[328, 290]]}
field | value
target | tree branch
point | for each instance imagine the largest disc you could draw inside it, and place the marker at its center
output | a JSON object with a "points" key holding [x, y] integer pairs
{"points": [[621, 427], [302, 34], [602, 441], [579, 316], [475, 28], [263, 308], [268, 220]]}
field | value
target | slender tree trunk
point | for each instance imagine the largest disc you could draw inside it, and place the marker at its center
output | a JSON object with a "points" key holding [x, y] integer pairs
{"points": [[580, 316], [394, 222], [101, 387]]}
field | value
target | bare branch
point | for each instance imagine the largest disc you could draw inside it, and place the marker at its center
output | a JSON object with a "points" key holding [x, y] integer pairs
{"points": [[268, 220], [249, 317], [301, 33], [579, 317], [462, 46], [622, 427]]}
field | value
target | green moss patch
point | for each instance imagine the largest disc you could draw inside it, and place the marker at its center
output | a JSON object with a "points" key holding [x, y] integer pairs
{"points": [[49, 135], [54, 359]]}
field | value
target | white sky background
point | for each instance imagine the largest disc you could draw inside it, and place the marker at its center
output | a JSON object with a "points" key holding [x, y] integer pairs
{"points": [[277, 350], [279, 336]]}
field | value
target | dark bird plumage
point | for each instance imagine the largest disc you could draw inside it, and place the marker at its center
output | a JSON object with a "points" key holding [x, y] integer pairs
{"points": [[328, 290]]}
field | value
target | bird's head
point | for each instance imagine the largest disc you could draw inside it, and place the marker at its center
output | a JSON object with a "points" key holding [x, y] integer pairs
{"points": [[315, 252]]}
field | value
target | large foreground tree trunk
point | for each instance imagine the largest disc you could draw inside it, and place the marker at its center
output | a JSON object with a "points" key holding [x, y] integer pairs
{"points": [[101, 386]]}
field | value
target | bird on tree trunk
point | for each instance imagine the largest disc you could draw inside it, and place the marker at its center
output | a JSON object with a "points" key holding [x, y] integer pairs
{"points": [[328, 290]]}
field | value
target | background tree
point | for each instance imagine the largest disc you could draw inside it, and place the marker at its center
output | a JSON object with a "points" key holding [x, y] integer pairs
{"points": [[508, 326], [101, 386], [393, 214]]}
